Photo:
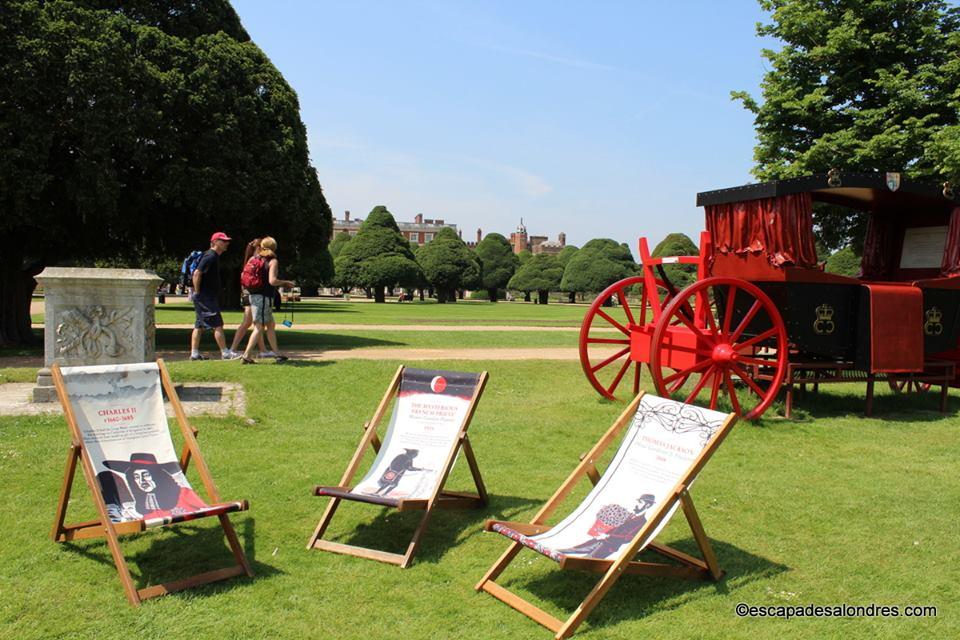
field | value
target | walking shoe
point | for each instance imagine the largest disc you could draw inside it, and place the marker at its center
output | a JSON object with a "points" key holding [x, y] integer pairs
{"points": [[230, 354], [268, 354], [281, 359], [247, 360], [199, 356]]}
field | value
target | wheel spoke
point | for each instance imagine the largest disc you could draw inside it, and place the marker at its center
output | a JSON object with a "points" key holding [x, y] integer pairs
{"points": [[728, 316], [703, 364], [748, 380], [732, 392], [619, 377], [700, 384], [689, 324], [678, 385], [708, 312], [603, 314], [746, 320], [769, 333], [618, 354], [715, 390], [625, 306], [607, 341]]}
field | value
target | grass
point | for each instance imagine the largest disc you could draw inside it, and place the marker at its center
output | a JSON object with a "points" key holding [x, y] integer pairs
{"points": [[830, 508], [333, 311]]}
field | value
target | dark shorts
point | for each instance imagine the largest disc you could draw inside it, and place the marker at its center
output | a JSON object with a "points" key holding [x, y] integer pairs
{"points": [[208, 314]]}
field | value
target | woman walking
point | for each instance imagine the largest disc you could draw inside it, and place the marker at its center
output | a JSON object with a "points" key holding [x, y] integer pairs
{"points": [[261, 300], [252, 248]]}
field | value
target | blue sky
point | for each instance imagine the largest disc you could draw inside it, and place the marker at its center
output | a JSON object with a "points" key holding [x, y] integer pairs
{"points": [[598, 119]]}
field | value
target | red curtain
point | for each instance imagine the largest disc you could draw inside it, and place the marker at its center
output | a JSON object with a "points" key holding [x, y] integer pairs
{"points": [[875, 263], [951, 254], [782, 228]]}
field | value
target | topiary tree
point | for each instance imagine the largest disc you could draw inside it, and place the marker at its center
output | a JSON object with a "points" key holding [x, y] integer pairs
{"points": [[564, 257], [596, 266], [677, 244], [541, 273], [498, 263], [449, 265], [131, 130], [377, 257], [844, 262]]}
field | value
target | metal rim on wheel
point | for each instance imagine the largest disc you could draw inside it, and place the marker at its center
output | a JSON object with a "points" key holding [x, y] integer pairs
{"points": [[726, 355]]}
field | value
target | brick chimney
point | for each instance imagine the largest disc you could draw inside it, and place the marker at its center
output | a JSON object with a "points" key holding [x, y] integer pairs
{"points": [[419, 218], [562, 238], [346, 216], [479, 233]]}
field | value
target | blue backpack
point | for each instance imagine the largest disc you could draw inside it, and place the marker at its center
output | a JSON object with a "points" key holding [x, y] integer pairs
{"points": [[188, 267]]}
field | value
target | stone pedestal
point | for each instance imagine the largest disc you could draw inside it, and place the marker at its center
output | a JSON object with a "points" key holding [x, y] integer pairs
{"points": [[95, 316]]}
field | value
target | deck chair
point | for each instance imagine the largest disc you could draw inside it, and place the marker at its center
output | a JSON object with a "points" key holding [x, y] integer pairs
{"points": [[428, 428], [121, 438], [665, 447]]}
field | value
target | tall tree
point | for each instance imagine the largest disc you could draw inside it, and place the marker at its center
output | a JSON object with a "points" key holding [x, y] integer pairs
{"points": [[377, 257], [449, 265], [541, 273], [860, 85], [498, 262], [133, 130], [597, 265]]}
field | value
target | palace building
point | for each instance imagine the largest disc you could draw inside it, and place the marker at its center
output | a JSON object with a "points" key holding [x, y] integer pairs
{"points": [[520, 241], [418, 232]]}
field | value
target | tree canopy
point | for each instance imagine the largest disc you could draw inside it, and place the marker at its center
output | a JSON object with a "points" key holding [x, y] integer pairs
{"points": [[498, 263], [377, 257], [597, 265], [844, 262], [677, 244], [449, 265], [860, 85], [541, 273], [566, 253], [132, 131]]}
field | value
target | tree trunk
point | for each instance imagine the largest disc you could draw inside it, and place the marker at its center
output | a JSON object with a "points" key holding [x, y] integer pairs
{"points": [[572, 296], [421, 294], [16, 288], [526, 296], [367, 291], [378, 295], [492, 294], [544, 296]]}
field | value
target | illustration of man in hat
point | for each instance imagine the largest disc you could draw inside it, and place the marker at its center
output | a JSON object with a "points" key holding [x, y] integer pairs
{"points": [[155, 492], [615, 526], [394, 473]]}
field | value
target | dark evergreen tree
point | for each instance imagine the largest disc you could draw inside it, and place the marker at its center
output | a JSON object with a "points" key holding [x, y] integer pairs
{"points": [[498, 263], [377, 257], [448, 265], [541, 273]]}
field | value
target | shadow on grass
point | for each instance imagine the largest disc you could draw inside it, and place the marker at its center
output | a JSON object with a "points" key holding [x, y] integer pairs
{"points": [[179, 552], [887, 406], [392, 530], [635, 596], [179, 340]]}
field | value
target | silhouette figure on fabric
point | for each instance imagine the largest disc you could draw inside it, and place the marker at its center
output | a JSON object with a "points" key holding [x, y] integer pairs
{"points": [[394, 473], [155, 492], [614, 527]]}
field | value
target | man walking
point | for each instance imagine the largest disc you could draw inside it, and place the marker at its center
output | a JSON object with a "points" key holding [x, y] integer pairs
{"points": [[206, 302]]}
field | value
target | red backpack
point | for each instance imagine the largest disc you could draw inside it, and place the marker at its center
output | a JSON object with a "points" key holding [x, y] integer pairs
{"points": [[254, 275]]}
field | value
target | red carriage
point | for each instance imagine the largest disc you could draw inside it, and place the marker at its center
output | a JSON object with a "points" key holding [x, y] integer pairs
{"points": [[763, 314]]}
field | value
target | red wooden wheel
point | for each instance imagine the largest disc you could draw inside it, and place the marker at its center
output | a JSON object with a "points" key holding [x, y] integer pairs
{"points": [[605, 337], [907, 385], [723, 336]]}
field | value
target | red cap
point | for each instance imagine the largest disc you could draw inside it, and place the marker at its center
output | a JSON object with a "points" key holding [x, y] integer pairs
{"points": [[220, 235]]}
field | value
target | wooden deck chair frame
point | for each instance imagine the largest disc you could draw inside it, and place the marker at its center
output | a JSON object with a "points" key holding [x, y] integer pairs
{"points": [[103, 527], [440, 498], [687, 566]]}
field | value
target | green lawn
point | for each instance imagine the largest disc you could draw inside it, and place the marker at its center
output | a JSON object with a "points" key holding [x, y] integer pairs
{"points": [[332, 311], [831, 508]]}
